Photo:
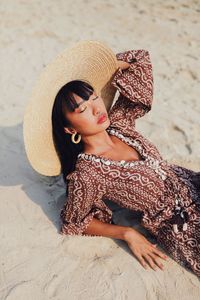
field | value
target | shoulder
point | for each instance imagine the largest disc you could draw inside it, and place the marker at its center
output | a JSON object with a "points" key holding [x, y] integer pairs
{"points": [[85, 173], [85, 185]]}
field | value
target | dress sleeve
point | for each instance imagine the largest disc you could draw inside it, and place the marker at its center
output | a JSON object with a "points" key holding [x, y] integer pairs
{"points": [[135, 86], [84, 201]]}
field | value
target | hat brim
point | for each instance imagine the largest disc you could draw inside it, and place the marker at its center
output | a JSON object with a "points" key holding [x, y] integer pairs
{"points": [[91, 61]]}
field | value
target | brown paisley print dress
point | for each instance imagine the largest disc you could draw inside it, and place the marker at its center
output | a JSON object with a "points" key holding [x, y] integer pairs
{"points": [[167, 195]]}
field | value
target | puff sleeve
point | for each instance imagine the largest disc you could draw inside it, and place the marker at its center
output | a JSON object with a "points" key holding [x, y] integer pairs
{"points": [[135, 86], [84, 201]]}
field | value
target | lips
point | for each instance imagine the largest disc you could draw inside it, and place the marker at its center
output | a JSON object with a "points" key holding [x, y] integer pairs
{"points": [[102, 118]]}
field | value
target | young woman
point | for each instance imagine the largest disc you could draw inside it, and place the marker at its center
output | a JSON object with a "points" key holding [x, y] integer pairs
{"points": [[103, 156]]}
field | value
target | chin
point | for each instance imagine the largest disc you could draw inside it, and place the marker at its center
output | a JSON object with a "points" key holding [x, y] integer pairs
{"points": [[107, 123], [103, 126]]}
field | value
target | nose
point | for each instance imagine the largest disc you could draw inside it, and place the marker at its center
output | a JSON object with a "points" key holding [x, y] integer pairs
{"points": [[96, 110]]}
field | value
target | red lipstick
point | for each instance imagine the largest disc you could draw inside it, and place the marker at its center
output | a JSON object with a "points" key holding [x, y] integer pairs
{"points": [[102, 118]]}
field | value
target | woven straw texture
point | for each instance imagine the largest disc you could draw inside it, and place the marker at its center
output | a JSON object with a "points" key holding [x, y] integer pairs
{"points": [[91, 61]]}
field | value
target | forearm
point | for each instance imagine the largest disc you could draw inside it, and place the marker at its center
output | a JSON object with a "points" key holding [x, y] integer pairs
{"points": [[97, 227]]}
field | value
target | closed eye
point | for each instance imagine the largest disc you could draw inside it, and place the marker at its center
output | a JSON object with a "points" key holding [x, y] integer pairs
{"points": [[83, 110], [86, 106]]}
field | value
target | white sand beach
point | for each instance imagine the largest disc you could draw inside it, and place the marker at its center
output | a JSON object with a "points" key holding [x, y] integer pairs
{"points": [[36, 261]]}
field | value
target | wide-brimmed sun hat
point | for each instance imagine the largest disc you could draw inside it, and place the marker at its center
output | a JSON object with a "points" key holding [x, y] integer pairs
{"points": [[90, 61]]}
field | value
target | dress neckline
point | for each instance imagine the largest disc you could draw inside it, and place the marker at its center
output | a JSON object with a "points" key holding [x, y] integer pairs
{"points": [[108, 161], [148, 160]]}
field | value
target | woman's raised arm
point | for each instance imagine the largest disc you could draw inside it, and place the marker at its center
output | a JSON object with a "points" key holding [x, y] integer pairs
{"points": [[134, 82]]}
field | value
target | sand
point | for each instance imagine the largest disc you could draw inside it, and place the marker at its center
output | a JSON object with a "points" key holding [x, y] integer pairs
{"points": [[36, 261]]}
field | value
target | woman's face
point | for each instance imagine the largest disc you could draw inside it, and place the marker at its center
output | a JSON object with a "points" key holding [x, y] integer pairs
{"points": [[84, 119]]}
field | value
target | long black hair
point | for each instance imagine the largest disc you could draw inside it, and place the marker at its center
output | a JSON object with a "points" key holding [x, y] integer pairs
{"points": [[67, 151]]}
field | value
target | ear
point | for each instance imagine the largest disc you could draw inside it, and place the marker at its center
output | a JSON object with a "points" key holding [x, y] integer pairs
{"points": [[69, 130]]}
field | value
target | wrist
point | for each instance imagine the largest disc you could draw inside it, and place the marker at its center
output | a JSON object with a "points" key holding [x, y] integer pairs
{"points": [[128, 233]]}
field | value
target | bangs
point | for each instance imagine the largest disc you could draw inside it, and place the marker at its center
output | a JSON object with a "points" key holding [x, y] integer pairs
{"points": [[81, 89]]}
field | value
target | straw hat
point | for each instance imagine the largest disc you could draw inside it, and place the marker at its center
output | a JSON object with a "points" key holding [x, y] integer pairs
{"points": [[91, 61]]}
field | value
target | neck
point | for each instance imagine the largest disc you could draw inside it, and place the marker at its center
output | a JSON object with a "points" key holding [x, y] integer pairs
{"points": [[98, 143]]}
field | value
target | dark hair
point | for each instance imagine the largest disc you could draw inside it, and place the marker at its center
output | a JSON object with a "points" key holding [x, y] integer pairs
{"points": [[67, 151]]}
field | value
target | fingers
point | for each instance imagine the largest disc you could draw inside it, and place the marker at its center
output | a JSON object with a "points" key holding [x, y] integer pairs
{"points": [[151, 258], [123, 65], [154, 261], [150, 261], [147, 254], [146, 260], [142, 261], [159, 253]]}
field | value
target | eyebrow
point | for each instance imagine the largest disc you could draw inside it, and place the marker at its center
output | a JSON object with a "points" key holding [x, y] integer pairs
{"points": [[84, 101]]}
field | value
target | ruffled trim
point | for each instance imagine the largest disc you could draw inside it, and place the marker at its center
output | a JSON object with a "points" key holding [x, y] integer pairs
{"points": [[79, 229]]}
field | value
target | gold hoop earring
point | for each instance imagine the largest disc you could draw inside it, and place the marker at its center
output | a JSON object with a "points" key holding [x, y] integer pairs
{"points": [[73, 138]]}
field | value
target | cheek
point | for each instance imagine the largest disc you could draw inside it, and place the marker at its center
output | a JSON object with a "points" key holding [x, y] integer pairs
{"points": [[90, 127], [86, 124], [103, 105]]}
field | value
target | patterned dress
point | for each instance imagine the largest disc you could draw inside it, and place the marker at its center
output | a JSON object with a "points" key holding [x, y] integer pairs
{"points": [[166, 195]]}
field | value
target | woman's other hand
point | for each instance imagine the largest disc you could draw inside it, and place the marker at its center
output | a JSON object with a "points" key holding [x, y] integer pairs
{"points": [[145, 252], [123, 65]]}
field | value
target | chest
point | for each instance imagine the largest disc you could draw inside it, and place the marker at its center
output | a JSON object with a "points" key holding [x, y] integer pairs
{"points": [[122, 151], [136, 147]]}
